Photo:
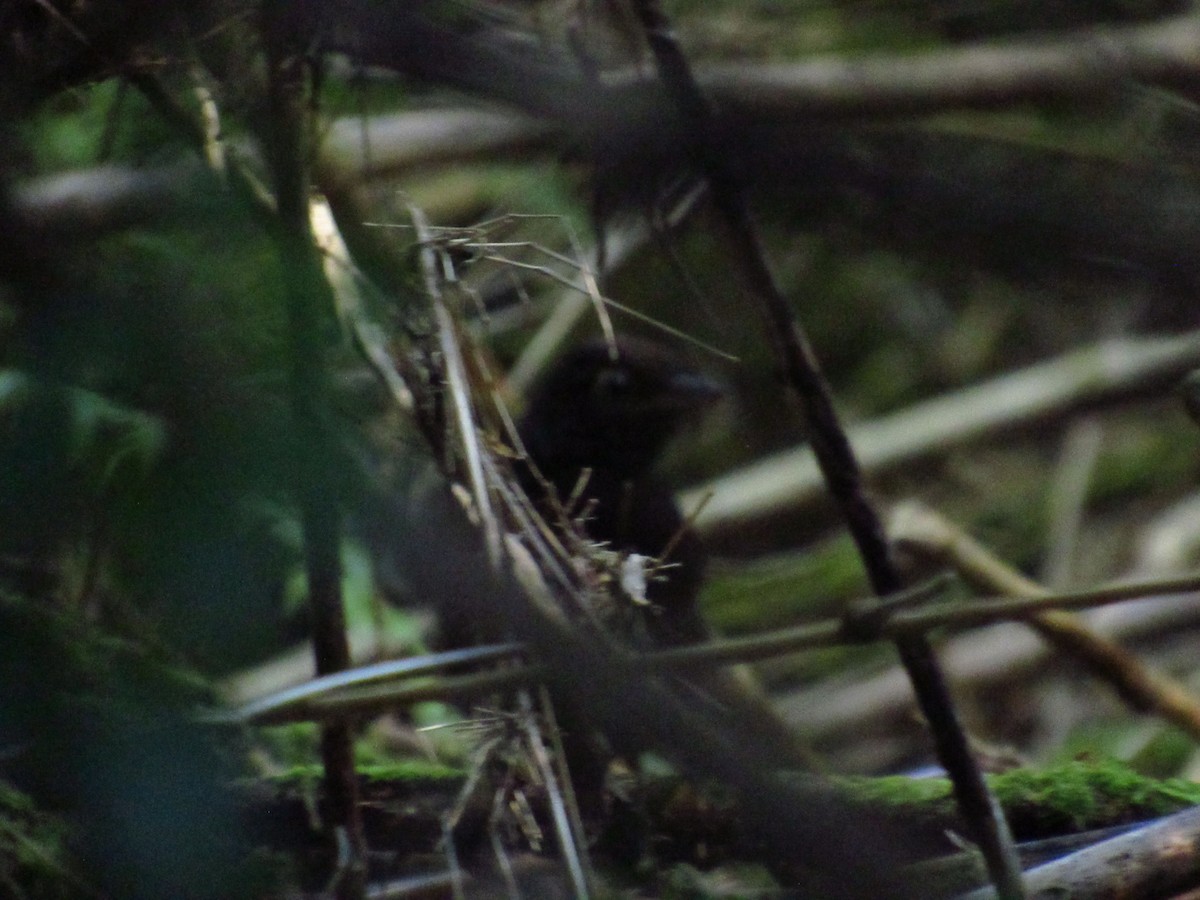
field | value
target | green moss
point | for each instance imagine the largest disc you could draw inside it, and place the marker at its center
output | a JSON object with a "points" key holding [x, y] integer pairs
{"points": [[919, 799], [1074, 796], [409, 771], [1087, 793], [412, 770], [294, 747]]}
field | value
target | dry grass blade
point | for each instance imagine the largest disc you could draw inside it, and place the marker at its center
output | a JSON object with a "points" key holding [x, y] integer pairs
{"points": [[571, 838], [460, 391], [347, 283]]}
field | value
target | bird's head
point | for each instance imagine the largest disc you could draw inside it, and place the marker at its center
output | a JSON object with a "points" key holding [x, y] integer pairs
{"points": [[594, 409]]}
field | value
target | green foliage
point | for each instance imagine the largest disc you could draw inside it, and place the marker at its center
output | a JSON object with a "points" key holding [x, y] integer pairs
{"points": [[103, 122], [345, 94], [65, 453], [33, 858], [106, 731], [1141, 460], [172, 470]]}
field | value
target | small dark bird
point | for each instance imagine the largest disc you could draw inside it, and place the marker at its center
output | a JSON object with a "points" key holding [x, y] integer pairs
{"points": [[615, 417], [604, 422], [601, 422]]}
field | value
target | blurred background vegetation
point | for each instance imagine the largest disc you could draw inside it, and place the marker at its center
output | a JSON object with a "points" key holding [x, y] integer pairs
{"points": [[935, 232]]}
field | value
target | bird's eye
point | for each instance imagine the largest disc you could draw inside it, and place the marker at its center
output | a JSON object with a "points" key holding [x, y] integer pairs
{"points": [[614, 381]]}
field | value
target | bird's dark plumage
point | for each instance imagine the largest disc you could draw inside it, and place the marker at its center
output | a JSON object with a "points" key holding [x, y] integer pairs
{"points": [[591, 410], [614, 417]]}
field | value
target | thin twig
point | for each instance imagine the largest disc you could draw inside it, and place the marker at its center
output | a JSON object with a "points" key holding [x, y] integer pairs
{"points": [[834, 454], [1143, 688], [352, 692], [210, 123], [245, 182], [572, 841], [412, 667], [604, 301], [559, 757], [499, 851], [460, 390], [308, 302]]}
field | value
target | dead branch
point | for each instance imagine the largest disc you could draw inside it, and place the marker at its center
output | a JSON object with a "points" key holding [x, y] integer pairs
{"points": [[923, 532], [835, 457], [1086, 63], [1037, 396], [309, 301], [1154, 861]]}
